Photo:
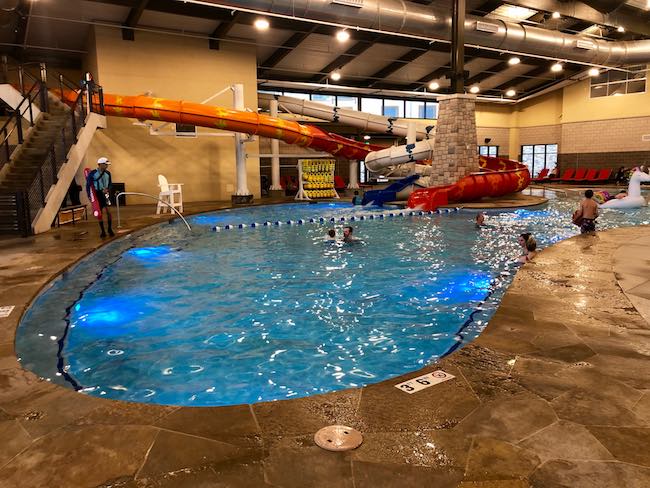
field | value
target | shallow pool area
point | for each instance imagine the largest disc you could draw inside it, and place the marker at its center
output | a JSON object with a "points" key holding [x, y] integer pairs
{"points": [[271, 312]]}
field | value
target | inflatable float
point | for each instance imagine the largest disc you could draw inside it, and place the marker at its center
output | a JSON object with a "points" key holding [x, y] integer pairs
{"points": [[633, 198]]}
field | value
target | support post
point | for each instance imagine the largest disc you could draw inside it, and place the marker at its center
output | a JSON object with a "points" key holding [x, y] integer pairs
{"points": [[458, 47], [354, 175], [242, 194], [275, 153]]}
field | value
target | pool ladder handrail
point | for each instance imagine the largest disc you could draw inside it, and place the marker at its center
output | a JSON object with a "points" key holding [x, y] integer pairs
{"points": [[117, 200]]}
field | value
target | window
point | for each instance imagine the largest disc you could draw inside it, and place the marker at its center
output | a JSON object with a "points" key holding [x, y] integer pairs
{"points": [[326, 99], [371, 105], [301, 96], [488, 151], [362, 172], [538, 157], [614, 83], [431, 111], [394, 108], [347, 102], [414, 110]]}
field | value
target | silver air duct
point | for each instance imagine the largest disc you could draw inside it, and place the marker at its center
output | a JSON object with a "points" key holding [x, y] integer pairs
{"points": [[413, 19]]}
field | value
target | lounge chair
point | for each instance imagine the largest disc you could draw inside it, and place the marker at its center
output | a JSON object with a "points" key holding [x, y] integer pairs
{"points": [[542, 176], [591, 175], [579, 176], [603, 176], [568, 173]]}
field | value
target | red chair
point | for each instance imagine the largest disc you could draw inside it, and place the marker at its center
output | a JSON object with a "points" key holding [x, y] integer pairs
{"points": [[283, 182], [541, 176], [339, 183], [591, 175], [603, 176], [568, 173], [579, 176]]}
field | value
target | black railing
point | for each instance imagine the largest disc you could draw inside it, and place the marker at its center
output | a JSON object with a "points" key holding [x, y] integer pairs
{"points": [[80, 102]]}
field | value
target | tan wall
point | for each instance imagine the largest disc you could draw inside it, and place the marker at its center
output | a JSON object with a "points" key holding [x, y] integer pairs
{"points": [[177, 68]]}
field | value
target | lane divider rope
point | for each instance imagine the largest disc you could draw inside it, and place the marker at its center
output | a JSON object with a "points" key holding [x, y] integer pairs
{"points": [[320, 220]]}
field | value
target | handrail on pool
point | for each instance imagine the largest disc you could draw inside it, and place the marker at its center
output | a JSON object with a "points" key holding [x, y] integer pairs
{"points": [[117, 200]]}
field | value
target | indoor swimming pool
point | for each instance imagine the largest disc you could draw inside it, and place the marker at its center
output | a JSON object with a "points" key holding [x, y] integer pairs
{"points": [[276, 311]]}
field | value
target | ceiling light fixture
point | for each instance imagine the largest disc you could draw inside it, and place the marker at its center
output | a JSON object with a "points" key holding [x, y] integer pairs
{"points": [[514, 60], [434, 85], [511, 93], [336, 75], [261, 24], [594, 72], [620, 28], [474, 89], [342, 35], [366, 137], [556, 15], [556, 68]]}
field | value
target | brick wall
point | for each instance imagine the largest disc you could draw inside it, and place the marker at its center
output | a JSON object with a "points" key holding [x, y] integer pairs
{"points": [[604, 136], [541, 134], [500, 137]]}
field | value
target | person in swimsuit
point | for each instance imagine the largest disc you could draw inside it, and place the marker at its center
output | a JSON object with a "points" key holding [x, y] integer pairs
{"points": [[589, 213]]}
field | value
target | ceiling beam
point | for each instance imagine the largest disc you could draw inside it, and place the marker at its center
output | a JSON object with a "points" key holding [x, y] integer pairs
{"points": [[544, 84], [128, 34], [223, 29], [342, 60], [486, 7], [21, 29], [412, 55], [485, 74], [282, 52], [534, 73]]}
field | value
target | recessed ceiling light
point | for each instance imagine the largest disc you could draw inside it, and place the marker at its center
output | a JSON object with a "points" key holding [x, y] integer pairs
{"points": [[514, 60], [474, 89], [261, 24], [556, 15], [594, 72], [511, 93], [342, 35], [556, 67], [620, 28], [434, 85], [366, 137], [336, 76]]}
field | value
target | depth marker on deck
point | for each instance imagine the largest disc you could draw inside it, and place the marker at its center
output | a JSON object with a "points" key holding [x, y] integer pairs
{"points": [[6, 311], [424, 381]]}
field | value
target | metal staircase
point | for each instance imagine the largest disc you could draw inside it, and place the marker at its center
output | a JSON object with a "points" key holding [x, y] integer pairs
{"points": [[40, 155]]}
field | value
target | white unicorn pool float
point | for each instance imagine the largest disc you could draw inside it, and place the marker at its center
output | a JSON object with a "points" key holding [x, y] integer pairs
{"points": [[633, 198]]}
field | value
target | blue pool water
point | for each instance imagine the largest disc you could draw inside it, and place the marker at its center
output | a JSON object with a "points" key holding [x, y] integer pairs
{"points": [[218, 318]]}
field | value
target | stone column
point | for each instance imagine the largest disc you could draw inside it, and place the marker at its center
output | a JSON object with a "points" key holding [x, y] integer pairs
{"points": [[454, 150]]}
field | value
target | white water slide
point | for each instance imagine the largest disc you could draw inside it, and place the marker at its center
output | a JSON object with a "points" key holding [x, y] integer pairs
{"points": [[378, 161]]}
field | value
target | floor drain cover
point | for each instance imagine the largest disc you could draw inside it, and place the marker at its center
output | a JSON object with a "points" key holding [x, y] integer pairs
{"points": [[338, 438]]}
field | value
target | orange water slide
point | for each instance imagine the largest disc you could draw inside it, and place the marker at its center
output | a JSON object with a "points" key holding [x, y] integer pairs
{"points": [[181, 112], [498, 176]]}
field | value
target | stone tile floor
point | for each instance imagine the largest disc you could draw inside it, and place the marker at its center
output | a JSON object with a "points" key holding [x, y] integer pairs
{"points": [[555, 393]]}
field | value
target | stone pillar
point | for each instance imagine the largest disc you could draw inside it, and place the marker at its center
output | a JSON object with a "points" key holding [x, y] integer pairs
{"points": [[454, 150]]}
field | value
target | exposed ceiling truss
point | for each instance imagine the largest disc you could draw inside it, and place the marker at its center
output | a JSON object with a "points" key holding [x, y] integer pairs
{"points": [[405, 64]]}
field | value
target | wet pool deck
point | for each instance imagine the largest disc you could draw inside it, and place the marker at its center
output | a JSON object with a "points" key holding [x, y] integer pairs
{"points": [[555, 393]]}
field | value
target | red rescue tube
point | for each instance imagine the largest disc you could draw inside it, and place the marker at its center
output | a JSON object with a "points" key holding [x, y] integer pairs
{"points": [[94, 201]]}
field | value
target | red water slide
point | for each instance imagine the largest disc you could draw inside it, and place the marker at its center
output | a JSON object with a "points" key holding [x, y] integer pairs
{"points": [[499, 176]]}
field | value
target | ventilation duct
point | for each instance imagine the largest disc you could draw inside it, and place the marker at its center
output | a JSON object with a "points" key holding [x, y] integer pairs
{"points": [[413, 19]]}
